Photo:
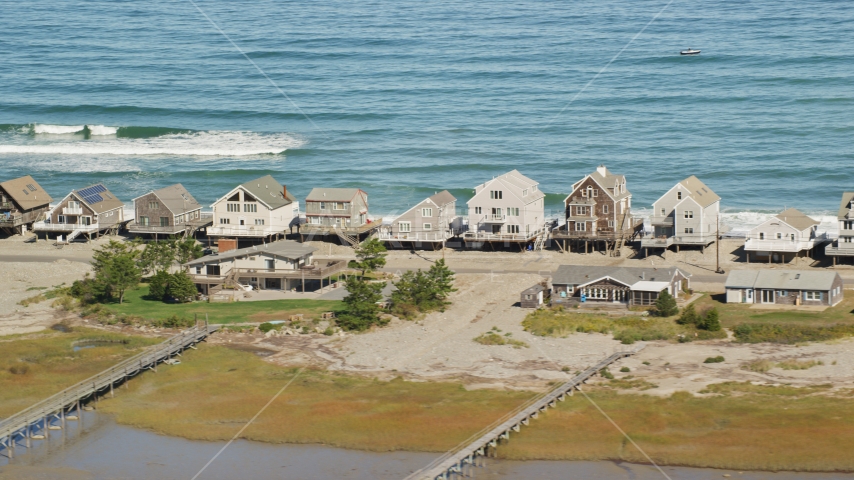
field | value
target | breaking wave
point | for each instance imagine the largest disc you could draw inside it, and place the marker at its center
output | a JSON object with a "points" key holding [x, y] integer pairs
{"points": [[142, 141]]}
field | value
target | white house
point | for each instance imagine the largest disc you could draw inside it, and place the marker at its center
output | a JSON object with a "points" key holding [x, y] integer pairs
{"points": [[508, 207], [430, 221], [844, 246], [686, 215], [256, 209], [783, 236]]}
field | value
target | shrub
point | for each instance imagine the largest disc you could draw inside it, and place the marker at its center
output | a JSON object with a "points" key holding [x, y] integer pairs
{"points": [[181, 287], [606, 373], [405, 310], [718, 359], [174, 322], [34, 299], [362, 310], [625, 369], [665, 305], [158, 284], [328, 332], [491, 338], [19, 369], [789, 334], [689, 316], [710, 321], [266, 327], [647, 363]]}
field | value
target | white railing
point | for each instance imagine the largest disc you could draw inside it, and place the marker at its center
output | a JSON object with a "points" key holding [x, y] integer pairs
{"points": [[494, 237], [65, 227], [72, 210], [416, 236], [244, 230]]}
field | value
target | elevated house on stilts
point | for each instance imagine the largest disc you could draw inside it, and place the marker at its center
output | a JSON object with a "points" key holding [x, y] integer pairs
{"points": [[22, 203], [86, 212], [598, 215], [844, 245], [260, 209], [508, 210], [168, 211]]}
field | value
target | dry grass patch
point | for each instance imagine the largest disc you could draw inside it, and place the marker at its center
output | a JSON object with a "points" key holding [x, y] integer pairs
{"points": [[762, 366]]}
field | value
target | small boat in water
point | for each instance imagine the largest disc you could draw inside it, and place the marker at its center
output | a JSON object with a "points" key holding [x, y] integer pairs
{"points": [[690, 51]]}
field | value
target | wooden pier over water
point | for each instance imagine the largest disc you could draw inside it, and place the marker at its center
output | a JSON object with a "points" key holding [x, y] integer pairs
{"points": [[38, 420], [461, 460]]}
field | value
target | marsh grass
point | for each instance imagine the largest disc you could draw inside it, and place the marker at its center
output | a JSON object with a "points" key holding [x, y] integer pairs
{"points": [[746, 427], [492, 338], [628, 329], [762, 366], [36, 366]]}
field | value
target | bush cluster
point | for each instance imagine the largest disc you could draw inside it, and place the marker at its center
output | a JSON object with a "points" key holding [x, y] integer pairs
{"points": [[708, 321], [718, 359]]}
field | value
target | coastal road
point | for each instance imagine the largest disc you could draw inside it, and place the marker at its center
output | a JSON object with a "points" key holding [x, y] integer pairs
{"points": [[42, 258]]}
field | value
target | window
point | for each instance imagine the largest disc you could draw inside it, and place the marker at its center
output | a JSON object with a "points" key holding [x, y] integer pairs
{"points": [[610, 224], [678, 195], [496, 194], [689, 230], [198, 270], [323, 205], [224, 221], [580, 226], [338, 206], [426, 212], [153, 205], [404, 227], [534, 188], [259, 221], [233, 207], [846, 239], [812, 295], [60, 219], [663, 213], [143, 221], [512, 228], [525, 192], [782, 293], [604, 208], [164, 221], [689, 214], [761, 235], [779, 236], [496, 213], [582, 211], [848, 225], [595, 192], [478, 210], [314, 220], [250, 207], [513, 211], [428, 227]]}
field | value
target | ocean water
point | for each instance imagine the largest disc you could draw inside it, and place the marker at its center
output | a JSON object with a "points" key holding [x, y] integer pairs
{"points": [[406, 98]]}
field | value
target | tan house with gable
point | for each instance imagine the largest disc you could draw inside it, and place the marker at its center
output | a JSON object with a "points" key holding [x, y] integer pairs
{"points": [[844, 245], [87, 211], [259, 208], [509, 207], [598, 209], [783, 237], [22, 202], [686, 215], [168, 211], [431, 221]]}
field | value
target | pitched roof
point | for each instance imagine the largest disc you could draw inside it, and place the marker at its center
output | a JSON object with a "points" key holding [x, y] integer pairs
{"points": [[609, 180], [518, 180], [267, 190], [782, 279], [99, 198], [287, 249], [581, 274], [699, 191], [26, 192], [176, 198], [443, 198], [845, 206], [797, 219], [332, 194]]}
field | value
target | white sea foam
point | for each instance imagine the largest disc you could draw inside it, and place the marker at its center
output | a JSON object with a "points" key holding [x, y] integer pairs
{"points": [[210, 143], [739, 223], [56, 129], [102, 130]]}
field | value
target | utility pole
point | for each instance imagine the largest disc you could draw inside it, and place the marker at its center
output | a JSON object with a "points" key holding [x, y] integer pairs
{"points": [[718, 244]]}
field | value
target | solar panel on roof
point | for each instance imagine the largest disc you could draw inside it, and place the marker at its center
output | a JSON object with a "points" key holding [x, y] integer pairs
{"points": [[92, 194]]}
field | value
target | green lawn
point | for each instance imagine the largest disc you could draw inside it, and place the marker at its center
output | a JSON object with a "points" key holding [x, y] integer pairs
{"points": [[135, 303], [734, 314]]}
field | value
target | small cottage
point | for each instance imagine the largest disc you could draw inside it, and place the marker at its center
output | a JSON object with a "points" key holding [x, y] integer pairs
{"points": [[616, 285], [88, 211], [533, 297], [783, 237], [784, 287], [22, 202], [168, 211]]}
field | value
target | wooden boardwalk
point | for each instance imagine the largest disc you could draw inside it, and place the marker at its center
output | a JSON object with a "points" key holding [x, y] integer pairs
{"points": [[38, 420], [464, 457]]}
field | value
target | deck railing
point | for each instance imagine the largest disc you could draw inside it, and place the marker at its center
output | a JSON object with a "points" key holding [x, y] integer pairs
{"points": [[67, 227], [415, 237]]}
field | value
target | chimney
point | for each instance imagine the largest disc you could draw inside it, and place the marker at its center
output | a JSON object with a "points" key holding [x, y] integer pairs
{"points": [[602, 170], [643, 275], [285, 191]]}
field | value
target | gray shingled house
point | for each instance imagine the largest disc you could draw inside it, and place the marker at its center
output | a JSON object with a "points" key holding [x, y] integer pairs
{"points": [[336, 207], [168, 211], [22, 202], [615, 285], [844, 245], [87, 211], [430, 221], [784, 287]]}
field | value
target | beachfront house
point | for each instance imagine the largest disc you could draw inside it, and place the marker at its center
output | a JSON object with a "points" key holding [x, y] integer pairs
{"points": [[598, 210], [259, 208], [510, 207], [336, 207], [782, 237], [686, 215], [168, 211], [784, 287], [283, 265], [88, 211], [586, 285], [430, 221], [844, 245], [22, 202]]}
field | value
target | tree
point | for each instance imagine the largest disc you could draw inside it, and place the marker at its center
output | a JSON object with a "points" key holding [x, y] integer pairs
{"points": [[158, 284], [423, 291], [710, 321], [361, 305], [187, 250], [157, 257], [665, 305], [370, 255], [689, 316], [181, 287], [116, 270], [442, 278]]}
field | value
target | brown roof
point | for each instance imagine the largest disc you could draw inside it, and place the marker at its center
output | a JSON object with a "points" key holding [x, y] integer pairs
{"points": [[26, 192], [101, 201], [797, 219], [845, 206], [332, 194], [443, 198], [176, 198], [698, 190]]}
